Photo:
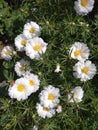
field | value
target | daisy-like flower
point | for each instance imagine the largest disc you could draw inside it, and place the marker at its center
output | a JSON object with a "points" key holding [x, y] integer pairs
{"points": [[79, 51], [19, 90], [76, 95], [57, 70], [7, 52], [22, 67], [44, 111], [35, 47], [84, 70], [20, 42], [49, 97], [31, 29], [83, 7], [33, 82]]}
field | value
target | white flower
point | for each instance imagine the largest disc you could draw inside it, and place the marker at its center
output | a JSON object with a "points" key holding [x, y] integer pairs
{"points": [[49, 96], [84, 70], [79, 51], [76, 95], [35, 47], [31, 30], [83, 7], [22, 67], [7, 52], [59, 109], [44, 111], [33, 82], [19, 90], [57, 70], [20, 42]]}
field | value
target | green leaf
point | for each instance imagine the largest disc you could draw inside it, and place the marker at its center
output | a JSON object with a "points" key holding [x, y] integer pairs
{"points": [[6, 73]]}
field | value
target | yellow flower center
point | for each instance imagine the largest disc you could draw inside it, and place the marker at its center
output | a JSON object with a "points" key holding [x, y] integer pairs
{"points": [[7, 52], [31, 82], [20, 87], [45, 108], [22, 67], [50, 96], [31, 30], [23, 42], [84, 70], [37, 47], [77, 53], [84, 3]]}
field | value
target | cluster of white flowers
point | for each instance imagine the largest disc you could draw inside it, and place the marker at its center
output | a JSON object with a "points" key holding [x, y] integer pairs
{"points": [[49, 99], [83, 7], [24, 87], [30, 42], [34, 46], [84, 69], [28, 83]]}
